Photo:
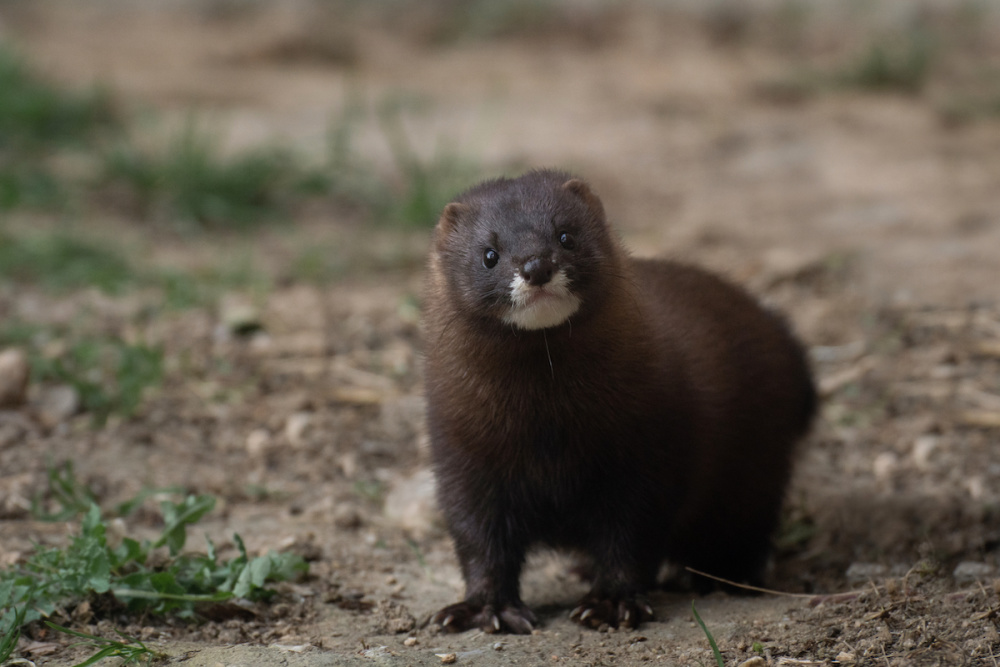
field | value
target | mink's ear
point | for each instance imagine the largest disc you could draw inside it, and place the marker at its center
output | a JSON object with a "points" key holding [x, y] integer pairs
{"points": [[449, 221], [450, 216], [583, 191]]}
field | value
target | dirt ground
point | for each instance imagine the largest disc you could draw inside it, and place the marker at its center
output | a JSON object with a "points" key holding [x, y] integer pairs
{"points": [[869, 218]]}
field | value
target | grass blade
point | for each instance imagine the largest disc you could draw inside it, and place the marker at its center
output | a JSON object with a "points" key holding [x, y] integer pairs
{"points": [[711, 640], [8, 642]]}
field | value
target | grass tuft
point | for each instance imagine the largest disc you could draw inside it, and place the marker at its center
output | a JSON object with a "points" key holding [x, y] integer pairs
{"points": [[902, 63], [37, 119], [69, 494], [416, 187], [63, 262], [10, 636], [36, 115], [24, 183], [131, 650], [191, 181], [133, 575], [109, 374], [485, 20], [424, 186]]}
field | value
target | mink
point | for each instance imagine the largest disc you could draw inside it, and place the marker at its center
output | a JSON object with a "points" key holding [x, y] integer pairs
{"points": [[633, 411]]}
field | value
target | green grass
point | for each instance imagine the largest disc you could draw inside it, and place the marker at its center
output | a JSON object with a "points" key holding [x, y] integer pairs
{"points": [[483, 20], [190, 180], [109, 374], [134, 576], [901, 63], [416, 187], [37, 119], [24, 183], [63, 261], [66, 492], [795, 532], [130, 651], [36, 115], [423, 186], [711, 640], [10, 636], [897, 62], [318, 265]]}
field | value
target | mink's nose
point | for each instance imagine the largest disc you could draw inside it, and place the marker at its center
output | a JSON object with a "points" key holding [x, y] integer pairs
{"points": [[537, 271]]}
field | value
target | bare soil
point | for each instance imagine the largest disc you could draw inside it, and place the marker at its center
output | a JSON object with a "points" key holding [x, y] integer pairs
{"points": [[867, 217]]}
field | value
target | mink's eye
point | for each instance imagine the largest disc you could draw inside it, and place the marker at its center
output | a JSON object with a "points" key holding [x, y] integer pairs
{"points": [[566, 241], [490, 258]]}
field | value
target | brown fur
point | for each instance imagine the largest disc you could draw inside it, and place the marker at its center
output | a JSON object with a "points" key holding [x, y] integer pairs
{"points": [[657, 423]]}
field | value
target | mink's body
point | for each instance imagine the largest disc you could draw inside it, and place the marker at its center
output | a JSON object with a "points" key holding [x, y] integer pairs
{"points": [[633, 410]]}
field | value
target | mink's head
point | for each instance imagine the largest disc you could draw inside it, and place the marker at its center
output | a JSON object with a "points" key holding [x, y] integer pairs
{"points": [[531, 252]]}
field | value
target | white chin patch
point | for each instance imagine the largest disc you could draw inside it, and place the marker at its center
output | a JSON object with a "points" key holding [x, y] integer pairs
{"points": [[541, 307]]}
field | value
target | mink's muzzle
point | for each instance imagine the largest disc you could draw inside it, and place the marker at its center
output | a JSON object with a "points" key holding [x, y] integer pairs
{"points": [[537, 271]]}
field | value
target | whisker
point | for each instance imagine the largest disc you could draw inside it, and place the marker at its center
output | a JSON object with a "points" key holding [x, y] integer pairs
{"points": [[548, 354]]}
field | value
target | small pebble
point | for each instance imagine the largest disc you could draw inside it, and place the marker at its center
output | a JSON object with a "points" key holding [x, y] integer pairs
{"points": [[239, 315], [447, 658], [884, 465], [923, 447], [968, 572], [57, 404], [257, 442], [14, 373], [410, 641], [295, 428], [862, 572], [346, 515], [976, 487]]}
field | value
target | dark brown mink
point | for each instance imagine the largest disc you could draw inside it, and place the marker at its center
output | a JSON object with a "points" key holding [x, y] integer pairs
{"points": [[634, 411]]}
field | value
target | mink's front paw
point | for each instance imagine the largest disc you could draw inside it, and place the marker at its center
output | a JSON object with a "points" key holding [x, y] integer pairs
{"points": [[628, 612], [466, 615]]}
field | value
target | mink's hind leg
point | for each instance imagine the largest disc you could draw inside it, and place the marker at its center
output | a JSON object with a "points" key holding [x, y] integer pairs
{"points": [[739, 556]]}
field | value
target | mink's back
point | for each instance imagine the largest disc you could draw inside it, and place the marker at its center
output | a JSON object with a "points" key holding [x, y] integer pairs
{"points": [[739, 354], [753, 398]]}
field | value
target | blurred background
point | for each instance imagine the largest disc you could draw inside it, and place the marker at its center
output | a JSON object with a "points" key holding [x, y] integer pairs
{"points": [[773, 128], [214, 216]]}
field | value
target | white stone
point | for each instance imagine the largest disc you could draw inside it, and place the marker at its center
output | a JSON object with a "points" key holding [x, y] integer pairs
{"points": [[968, 572], [14, 374], [923, 447], [296, 426], [257, 442], [57, 404], [885, 465], [863, 572]]}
